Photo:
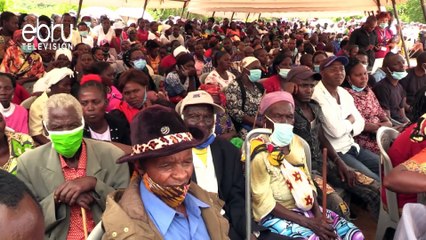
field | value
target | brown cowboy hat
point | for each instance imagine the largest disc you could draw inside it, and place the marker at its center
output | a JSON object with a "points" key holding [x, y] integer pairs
{"points": [[158, 131]]}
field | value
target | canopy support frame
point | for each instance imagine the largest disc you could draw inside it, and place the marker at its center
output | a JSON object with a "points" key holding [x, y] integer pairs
{"points": [[422, 2], [144, 8], [80, 3], [395, 12]]}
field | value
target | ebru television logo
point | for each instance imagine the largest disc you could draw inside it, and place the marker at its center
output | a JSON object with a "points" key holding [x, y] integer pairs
{"points": [[49, 39]]}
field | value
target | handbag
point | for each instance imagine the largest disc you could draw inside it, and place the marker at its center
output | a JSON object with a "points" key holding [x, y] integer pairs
{"points": [[299, 185]]}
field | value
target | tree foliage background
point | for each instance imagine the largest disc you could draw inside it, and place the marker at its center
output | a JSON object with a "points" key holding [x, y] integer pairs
{"points": [[411, 11]]}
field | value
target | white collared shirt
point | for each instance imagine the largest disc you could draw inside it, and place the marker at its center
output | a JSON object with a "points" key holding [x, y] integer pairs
{"points": [[337, 129], [206, 175]]}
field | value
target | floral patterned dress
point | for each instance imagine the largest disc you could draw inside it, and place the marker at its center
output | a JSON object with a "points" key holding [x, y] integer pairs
{"points": [[234, 105], [18, 144], [369, 107]]}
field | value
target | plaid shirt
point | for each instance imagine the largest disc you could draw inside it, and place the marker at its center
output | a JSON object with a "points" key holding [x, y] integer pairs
{"points": [[75, 231]]}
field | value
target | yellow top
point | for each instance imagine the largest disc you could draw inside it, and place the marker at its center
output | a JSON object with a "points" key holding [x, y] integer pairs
{"points": [[35, 115], [268, 185], [201, 154]]}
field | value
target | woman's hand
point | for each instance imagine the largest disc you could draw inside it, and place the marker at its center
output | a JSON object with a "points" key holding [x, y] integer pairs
{"points": [[321, 228]]}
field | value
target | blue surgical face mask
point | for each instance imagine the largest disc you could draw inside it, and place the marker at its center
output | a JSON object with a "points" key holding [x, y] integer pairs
{"points": [[255, 75], [399, 75], [282, 134], [316, 68], [144, 100], [139, 64], [84, 33], [357, 89], [27, 49], [383, 25], [283, 72]]}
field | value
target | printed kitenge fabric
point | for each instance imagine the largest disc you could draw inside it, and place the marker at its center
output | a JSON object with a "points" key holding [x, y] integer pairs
{"points": [[18, 144], [172, 196], [345, 230], [370, 109]]}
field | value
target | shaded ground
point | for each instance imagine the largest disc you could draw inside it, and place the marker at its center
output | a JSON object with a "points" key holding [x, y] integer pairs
{"points": [[364, 221]]}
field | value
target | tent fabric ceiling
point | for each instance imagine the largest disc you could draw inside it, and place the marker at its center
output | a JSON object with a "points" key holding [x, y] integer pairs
{"points": [[152, 4], [301, 15], [286, 7]]}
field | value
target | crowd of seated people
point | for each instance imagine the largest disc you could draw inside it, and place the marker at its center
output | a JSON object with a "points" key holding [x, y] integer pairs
{"points": [[140, 126]]}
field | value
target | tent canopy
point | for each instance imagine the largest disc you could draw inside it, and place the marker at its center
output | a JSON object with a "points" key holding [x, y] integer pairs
{"points": [[287, 7], [152, 4]]}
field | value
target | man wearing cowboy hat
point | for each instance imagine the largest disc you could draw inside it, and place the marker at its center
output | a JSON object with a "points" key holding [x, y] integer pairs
{"points": [[161, 201]]}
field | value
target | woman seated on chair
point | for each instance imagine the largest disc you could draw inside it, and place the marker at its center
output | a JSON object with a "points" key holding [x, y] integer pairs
{"points": [[367, 104], [221, 75], [404, 148], [410, 176], [284, 197]]}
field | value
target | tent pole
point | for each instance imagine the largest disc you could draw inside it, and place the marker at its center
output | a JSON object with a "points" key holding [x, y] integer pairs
{"points": [[400, 33], [248, 15], [422, 2], [144, 8], [80, 2], [214, 12], [183, 8], [378, 5], [232, 16], [259, 16]]}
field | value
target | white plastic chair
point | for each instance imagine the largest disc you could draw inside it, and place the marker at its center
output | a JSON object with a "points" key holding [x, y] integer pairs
{"points": [[412, 225], [247, 147], [203, 77], [388, 217], [97, 232], [307, 150], [28, 102]]}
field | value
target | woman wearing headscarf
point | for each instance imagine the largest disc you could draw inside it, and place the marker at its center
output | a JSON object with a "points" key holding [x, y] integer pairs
{"points": [[243, 96], [58, 80], [63, 58], [22, 62], [283, 194]]}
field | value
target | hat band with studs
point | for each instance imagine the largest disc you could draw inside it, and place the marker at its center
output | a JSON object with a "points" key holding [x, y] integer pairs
{"points": [[161, 142]]}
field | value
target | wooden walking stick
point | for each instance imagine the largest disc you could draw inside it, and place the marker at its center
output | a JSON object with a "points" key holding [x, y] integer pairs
{"points": [[324, 184], [83, 215]]}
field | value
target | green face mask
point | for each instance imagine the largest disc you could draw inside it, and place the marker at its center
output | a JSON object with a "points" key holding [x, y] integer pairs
{"points": [[68, 142]]}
